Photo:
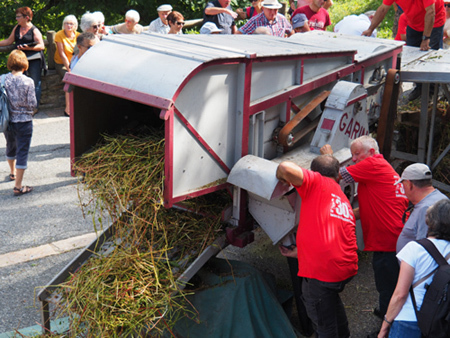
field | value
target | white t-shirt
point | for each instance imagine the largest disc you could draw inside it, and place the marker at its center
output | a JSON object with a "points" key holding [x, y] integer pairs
{"points": [[415, 255]]}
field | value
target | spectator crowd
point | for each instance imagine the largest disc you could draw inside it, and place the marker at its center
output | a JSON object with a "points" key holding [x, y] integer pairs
{"points": [[394, 210]]}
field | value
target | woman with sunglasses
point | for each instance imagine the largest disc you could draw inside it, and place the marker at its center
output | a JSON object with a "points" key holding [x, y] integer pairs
{"points": [[176, 22], [28, 39], [66, 40], [90, 23], [251, 11]]}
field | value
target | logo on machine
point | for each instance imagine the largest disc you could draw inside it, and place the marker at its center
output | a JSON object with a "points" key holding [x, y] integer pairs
{"points": [[353, 129], [341, 209]]}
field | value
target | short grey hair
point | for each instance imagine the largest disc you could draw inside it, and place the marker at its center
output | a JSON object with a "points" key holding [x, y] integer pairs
{"points": [[87, 20], [368, 142], [438, 220], [132, 15], [71, 18]]}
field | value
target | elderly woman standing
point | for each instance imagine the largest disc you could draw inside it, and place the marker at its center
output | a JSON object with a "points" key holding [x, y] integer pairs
{"points": [[28, 39], [66, 40], [176, 22], [22, 99], [416, 267]]}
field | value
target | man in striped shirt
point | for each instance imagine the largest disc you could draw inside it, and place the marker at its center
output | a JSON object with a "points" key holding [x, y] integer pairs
{"points": [[270, 18]]}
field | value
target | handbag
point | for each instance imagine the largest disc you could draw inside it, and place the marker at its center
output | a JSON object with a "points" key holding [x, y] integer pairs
{"points": [[4, 106]]}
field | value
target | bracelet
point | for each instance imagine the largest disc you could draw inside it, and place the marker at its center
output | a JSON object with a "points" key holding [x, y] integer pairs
{"points": [[387, 321]]}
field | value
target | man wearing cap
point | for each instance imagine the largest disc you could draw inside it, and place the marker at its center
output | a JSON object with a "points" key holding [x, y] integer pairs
{"points": [[355, 24], [161, 25], [270, 18], [220, 13], [381, 207], [416, 179], [300, 23], [318, 17]]}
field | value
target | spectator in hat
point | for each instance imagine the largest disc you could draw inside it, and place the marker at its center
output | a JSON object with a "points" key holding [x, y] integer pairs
{"points": [[416, 179], [130, 26], [210, 28], [355, 24], [300, 23], [318, 17], [270, 18], [221, 14], [250, 12], [160, 25]]}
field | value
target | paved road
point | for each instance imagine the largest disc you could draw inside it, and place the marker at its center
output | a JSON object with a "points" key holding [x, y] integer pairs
{"points": [[49, 214]]}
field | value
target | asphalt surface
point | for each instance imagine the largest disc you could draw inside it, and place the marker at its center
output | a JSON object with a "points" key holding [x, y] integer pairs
{"points": [[50, 213]]}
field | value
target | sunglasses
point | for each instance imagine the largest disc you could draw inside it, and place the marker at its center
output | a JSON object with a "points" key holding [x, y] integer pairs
{"points": [[180, 23], [446, 5], [95, 26]]}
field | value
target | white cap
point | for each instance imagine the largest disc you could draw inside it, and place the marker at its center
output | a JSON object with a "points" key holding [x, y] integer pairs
{"points": [[416, 171], [209, 28], [272, 4], [164, 8]]}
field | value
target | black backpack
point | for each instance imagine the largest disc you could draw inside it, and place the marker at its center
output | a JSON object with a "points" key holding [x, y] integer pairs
{"points": [[434, 315], [4, 106]]}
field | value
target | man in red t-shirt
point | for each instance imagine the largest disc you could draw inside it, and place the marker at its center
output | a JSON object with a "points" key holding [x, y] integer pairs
{"points": [[381, 207], [318, 17], [326, 242], [425, 19]]}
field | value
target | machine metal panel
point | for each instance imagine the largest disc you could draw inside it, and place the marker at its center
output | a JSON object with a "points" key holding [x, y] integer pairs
{"points": [[432, 66]]}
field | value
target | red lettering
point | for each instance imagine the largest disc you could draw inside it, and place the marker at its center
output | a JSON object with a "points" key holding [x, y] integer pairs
{"points": [[348, 131], [342, 124], [355, 130]]}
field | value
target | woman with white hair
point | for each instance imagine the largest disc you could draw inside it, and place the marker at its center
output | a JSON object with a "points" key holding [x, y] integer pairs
{"points": [[66, 40], [90, 23], [130, 26]]}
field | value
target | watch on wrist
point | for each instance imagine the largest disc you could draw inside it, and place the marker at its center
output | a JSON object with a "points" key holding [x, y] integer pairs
{"points": [[425, 38]]}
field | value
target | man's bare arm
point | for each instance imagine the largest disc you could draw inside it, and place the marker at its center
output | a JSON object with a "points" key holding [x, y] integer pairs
{"points": [[377, 18], [290, 173], [430, 13]]}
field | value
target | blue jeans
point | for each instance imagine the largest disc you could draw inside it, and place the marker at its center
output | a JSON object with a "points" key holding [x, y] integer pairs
{"points": [[18, 140], [34, 71], [403, 329], [325, 307], [414, 38], [386, 269]]}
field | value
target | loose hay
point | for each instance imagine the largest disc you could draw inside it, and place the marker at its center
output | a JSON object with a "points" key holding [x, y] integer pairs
{"points": [[133, 290]]}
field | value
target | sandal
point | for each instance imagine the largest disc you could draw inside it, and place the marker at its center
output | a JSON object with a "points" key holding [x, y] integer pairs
{"points": [[12, 177], [24, 190]]}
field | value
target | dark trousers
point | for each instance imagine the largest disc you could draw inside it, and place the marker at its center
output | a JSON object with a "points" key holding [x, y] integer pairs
{"points": [[306, 326], [386, 270], [414, 38], [325, 307], [34, 71]]}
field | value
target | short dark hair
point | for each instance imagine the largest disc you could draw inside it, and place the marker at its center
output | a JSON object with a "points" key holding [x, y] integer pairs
{"points": [[438, 220], [25, 11], [326, 165], [17, 61], [85, 36], [422, 183], [175, 16]]}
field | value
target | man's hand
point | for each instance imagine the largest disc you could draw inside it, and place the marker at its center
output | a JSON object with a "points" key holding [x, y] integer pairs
{"points": [[288, 252], [425, 45], [233, 14], [326, 150], [367, 32]]}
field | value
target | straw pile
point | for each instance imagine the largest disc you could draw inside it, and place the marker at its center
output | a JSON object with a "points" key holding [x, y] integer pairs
{"points": [[133, 290]]}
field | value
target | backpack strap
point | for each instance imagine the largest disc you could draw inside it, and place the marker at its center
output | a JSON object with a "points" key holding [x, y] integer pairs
{"points": [[3, 80], [437, 256], [433, 251]]}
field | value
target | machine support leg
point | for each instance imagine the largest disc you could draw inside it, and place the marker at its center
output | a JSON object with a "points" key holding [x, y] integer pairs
{"points": [[45, 317], [388, 113]]}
